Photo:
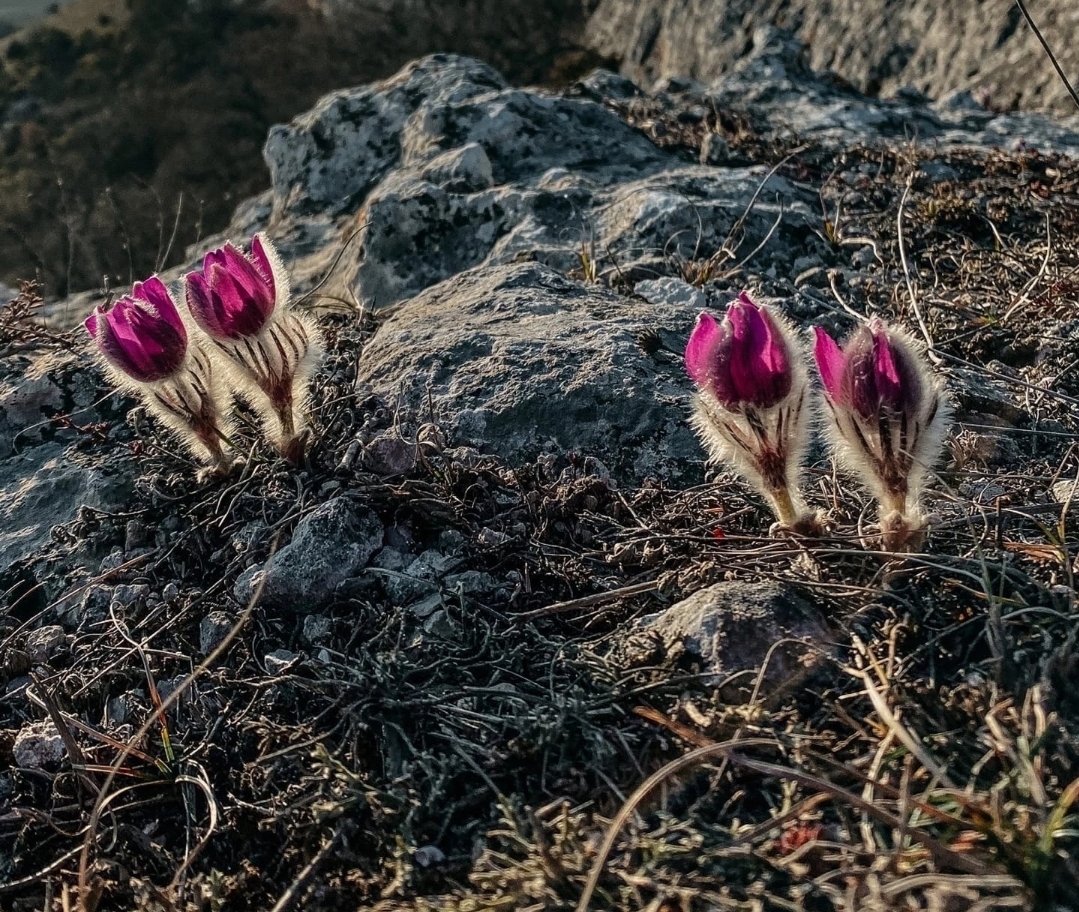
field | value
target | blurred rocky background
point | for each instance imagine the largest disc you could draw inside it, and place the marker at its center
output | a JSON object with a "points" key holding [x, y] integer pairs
{"points": [[129, 129]]}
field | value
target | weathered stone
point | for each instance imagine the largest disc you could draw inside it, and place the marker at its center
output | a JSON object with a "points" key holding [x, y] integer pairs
{"points": [[330, 545], [213, 629], [736, 629], [278, 661], [519, 358], [45, 642], [419, 578], [38, 746], [317, 629], [44, 487]]}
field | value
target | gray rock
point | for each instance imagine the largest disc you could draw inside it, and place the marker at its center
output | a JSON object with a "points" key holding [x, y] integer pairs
{"points": [[448, 168], [518, 358], [879, 45], [673, 292], [278, 661], [44, 487], [330, 545], [213, 629], [732, 629], [28, 401], [389, 453], [38, 746], [45, 642], [317, 629], [419, 578]]}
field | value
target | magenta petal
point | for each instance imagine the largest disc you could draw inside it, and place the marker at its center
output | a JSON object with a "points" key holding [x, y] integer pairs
{"points": [[897, 382], [214, 257], [775, 356], [200, 303], [155, 293], [747, 337], [830, 363], [91, 324], [262, 261], [228, 296], [700, 350], [256, 291]]}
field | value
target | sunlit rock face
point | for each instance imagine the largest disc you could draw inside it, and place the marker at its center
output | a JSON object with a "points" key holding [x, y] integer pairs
{"points": [[876, 45]]}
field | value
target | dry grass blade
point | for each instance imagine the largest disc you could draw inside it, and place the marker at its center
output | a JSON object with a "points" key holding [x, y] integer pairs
{"points": [[707, 752]]}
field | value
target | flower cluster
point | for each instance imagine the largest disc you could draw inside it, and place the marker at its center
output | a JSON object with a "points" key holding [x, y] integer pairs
{"points": [[236, 332], [885, 412]]}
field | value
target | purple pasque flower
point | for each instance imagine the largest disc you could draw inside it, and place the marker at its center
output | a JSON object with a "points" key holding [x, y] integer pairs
{"points": [[887, 416], [269, 348], [750, 410], [233, 295], [875, 373], [141, 335], [743, 361]]}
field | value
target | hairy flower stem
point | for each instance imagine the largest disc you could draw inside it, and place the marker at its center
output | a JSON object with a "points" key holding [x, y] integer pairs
{"points": [[187, 403], [784, 506]]}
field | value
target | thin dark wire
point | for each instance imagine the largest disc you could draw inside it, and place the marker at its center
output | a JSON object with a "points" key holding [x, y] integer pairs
{"points": [[1048, 50]]}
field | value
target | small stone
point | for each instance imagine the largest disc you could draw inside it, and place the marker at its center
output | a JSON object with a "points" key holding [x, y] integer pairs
{"points": [[136, 535], [439, 625], [392, 559], [316, 629], [428, 856], [121, 710], [425, 607], [471, 581], [731, 630], [330, 545], [128, 596], [45, 642], [451, 541], [492, 538], [91, 609], [864, 257], [213, 630], [278, 661], [419, 578], [389, 454], [112, 560], [167, 687], [38, 746]]}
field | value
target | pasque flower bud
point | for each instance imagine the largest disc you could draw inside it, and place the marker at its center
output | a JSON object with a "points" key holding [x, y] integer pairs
{"points": [[887, 415], [242, 304], [751, 403], [143, 340]]}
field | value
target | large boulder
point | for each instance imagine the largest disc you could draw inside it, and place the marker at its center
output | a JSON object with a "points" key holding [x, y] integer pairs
{"points": [[517, 359], [444, 168]]}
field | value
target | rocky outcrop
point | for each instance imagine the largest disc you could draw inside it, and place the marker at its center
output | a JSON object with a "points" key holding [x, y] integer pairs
{"points": [[534, 260], [877, 45], [519, 359]]}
